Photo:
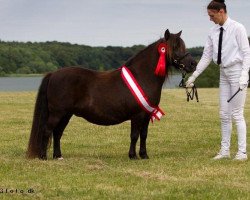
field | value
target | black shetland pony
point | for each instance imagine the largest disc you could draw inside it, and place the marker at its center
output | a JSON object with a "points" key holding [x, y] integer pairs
{"points": [[102, 97]]}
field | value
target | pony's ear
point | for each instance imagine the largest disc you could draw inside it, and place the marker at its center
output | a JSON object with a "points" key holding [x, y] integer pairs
{"points": [[167, 35], [179, 34]]}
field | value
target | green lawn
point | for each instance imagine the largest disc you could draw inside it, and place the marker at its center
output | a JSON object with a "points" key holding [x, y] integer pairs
{"points": [[96, 163]]}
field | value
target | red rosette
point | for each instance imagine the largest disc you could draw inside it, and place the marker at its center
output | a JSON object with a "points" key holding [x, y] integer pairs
{"points": [[161, 65]]}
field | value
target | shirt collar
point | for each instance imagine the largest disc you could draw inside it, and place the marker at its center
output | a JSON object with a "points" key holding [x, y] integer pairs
{"points": [[225, 25]]}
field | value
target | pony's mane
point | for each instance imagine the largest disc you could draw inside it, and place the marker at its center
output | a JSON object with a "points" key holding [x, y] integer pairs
{"points": [[143, 51]]}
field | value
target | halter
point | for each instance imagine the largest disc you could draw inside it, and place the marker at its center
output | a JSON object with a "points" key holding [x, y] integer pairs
{"points": [[177, 61], [193, 92]]}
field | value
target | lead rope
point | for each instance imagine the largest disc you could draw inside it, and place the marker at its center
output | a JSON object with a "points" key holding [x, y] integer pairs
{"points": [[192, 93]]}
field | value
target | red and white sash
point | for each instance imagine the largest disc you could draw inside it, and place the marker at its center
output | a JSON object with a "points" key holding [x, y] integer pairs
{"points": [[140, 96]]}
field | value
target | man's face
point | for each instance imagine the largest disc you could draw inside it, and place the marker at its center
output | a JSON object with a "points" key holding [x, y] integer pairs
{"points": [[215, 16]]}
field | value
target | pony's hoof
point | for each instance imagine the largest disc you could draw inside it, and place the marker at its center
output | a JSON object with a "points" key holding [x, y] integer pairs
{"points": [[134, 157], [60, 158], [144, 156], [43, 158]]}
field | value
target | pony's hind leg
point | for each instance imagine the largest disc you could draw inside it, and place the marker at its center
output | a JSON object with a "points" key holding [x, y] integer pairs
{"points": [[57, 134], [52, 122]]}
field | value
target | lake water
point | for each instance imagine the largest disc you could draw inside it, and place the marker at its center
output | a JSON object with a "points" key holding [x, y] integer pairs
{"points": [[19, 83], [173, 81], [32, 83]]}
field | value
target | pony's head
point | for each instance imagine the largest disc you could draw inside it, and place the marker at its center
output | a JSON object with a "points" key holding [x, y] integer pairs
{"points": [[177, 54]]}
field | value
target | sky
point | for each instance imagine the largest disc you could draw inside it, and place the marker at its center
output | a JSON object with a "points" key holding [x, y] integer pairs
{"points": [[111, 22]]}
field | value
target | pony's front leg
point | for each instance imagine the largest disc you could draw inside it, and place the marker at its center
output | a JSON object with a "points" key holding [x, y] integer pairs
{"points": [[143, 137], [135, 131]]}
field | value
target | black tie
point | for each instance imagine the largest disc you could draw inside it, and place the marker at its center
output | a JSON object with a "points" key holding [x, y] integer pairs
{"points": [[220, 44]]}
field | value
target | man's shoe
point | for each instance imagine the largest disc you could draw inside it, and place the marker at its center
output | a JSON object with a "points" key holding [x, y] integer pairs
{"points": [[222, 155], [241, 156]]}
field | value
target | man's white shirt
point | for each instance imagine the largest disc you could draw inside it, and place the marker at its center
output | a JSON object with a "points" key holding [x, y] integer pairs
{"points": [[235, 47]]}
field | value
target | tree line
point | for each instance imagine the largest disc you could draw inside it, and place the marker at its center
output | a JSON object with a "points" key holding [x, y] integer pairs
{"points": [[43, 57], [37, 58]]}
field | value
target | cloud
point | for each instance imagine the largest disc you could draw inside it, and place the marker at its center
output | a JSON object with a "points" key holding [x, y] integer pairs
{"points": [[109, 22]]}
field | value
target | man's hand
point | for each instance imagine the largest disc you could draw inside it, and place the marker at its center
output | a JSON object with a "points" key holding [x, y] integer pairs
{"points": [[243, 82]]}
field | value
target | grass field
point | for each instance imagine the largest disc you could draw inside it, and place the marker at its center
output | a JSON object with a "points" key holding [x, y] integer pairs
{"points": [[96, 163]]}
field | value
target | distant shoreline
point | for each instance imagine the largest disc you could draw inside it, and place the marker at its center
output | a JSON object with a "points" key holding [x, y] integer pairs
{"points": [[31, 82], [22, 75]]}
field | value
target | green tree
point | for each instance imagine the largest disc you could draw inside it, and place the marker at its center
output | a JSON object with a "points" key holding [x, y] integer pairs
{"points": [[210, 77], [23, 70]]}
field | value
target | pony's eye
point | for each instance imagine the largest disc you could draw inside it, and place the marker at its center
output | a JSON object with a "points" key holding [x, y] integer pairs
{"points": [[176, 47]]}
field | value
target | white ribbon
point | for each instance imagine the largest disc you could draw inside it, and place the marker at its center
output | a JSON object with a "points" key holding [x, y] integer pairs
{"points": [[140, 96]]}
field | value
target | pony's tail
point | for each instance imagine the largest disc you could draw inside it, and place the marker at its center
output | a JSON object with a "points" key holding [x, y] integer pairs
{"points": [[40, 118]]}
